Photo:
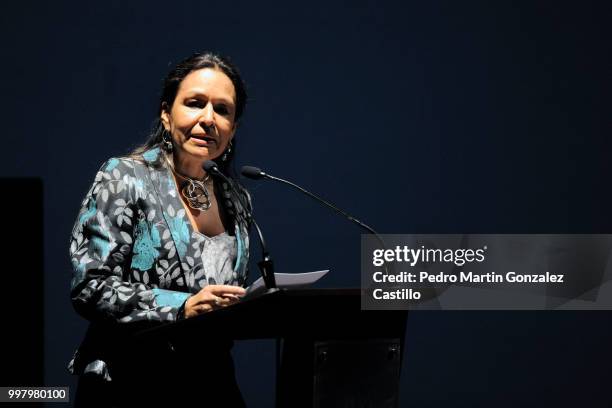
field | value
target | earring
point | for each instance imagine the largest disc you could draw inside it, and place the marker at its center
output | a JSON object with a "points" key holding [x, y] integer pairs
{"points": [[228, 151], [167, 140]]}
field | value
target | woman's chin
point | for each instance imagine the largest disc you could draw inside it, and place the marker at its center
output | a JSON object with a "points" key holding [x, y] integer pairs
{"points": [[203, 153]]}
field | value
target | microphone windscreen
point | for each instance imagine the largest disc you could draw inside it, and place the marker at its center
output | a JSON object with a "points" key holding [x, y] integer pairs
{"points": [[210, 166], [251, 172]]}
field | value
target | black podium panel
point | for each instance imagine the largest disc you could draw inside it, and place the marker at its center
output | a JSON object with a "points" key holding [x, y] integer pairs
{"points": [[332, 353], [361, 373]]}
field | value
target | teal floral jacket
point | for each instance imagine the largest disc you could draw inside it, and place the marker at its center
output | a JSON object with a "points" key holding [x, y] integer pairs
{"points": [[134, 252]]}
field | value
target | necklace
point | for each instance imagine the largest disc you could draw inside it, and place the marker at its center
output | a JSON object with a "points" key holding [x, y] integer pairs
{"points": [[195, 192]]}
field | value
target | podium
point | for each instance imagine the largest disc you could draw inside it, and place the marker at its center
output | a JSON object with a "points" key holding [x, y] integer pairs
{"points": [[330, 352]]}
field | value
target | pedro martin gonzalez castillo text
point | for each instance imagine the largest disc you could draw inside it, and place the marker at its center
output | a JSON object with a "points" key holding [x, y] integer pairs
{"points": [[534, 271]]}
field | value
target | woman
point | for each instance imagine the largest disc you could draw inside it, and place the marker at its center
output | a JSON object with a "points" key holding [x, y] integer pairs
{"points": [[156, 240]]}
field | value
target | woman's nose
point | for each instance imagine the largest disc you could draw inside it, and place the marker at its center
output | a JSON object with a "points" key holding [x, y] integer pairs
{"points": [[207, 117]]}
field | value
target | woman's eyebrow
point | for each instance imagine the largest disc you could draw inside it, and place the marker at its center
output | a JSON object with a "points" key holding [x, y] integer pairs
{"points": [[195, 94]]}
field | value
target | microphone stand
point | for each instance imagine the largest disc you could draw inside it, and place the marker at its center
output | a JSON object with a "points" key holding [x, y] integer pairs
{"points": [[256, 173], [327, 203], [266, 265]]}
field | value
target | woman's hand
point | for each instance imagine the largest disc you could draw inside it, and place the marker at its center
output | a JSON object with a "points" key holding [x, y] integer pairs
{"points": [[212, 297]]}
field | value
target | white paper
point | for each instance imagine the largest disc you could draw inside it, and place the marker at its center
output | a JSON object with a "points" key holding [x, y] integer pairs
{"points": [[286, 281]]}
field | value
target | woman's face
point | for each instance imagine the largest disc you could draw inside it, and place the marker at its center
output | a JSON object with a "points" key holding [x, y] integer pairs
{"points": [[201, 119]]}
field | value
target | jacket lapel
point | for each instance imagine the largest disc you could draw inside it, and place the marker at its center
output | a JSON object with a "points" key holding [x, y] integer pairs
{"points": [[170, 203]]}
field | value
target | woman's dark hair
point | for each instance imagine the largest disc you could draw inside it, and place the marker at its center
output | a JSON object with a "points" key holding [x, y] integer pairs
{"points": [[170, 89]]}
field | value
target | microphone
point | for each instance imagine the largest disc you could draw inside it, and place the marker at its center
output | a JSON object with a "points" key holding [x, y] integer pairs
{"points": [[256, 173], [266, 265], [252, 172]]}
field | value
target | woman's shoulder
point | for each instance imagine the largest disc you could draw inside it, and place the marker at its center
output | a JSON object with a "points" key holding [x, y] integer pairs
{"points": [[118, 165], [121, 180], [116, 168]]}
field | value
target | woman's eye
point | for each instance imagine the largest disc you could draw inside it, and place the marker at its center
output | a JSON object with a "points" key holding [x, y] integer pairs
{"points": [[195, 104], [222, 109]]}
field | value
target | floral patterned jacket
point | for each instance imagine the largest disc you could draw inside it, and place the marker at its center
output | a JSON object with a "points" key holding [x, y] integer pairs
{"points": [[135, 254]]}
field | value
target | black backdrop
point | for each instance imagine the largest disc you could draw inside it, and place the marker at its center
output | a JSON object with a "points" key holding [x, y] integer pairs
{"points": [[418, 117]]}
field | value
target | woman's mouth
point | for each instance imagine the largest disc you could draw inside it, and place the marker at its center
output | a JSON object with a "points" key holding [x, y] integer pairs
{"points": [[203, 140]]}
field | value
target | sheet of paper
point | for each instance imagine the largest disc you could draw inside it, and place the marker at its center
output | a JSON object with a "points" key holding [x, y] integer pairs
{"points": [[287, 281]]}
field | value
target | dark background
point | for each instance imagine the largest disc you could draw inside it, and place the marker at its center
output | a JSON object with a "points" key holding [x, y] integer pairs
{"points": [[417, 117]]}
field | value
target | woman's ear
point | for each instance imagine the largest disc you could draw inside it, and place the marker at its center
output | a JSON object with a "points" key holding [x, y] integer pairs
{"points": [[164, 116]]}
